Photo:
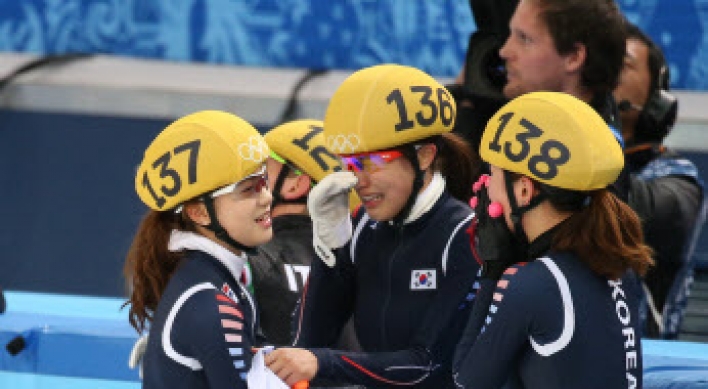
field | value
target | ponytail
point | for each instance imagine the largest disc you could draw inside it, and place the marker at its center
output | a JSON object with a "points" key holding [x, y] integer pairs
{"points": [[606, 235], [459, 164], [149, 265]]}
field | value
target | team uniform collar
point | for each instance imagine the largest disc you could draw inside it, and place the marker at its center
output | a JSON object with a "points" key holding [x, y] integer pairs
{"points": [[186, 240], [427, 198]]}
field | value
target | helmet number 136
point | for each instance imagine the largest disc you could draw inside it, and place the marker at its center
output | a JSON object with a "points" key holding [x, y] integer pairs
{"points": [[425, 117]]}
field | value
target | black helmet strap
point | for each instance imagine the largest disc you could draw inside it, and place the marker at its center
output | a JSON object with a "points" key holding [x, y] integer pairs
{"points": [[516, 211], [219, 231], [410, 152]]}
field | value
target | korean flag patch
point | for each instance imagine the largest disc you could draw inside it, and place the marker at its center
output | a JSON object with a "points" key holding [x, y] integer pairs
{"points": [[226, 289], [424, 279]]}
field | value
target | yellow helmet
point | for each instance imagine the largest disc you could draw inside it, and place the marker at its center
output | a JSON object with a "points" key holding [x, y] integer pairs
{"points": [[385, 106], [197, 154], [302, 143], [554, 138]]}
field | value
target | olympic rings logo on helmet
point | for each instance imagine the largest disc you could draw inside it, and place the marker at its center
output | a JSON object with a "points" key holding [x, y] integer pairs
{"points": [[386, 106], [343, 144], [302, 143], [255, 149], [198, 154]]}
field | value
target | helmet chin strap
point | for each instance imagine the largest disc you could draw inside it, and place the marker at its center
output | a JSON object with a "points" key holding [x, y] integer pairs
{"points": [[516, 211], [277, 197], [220, 232], [410, 152]]}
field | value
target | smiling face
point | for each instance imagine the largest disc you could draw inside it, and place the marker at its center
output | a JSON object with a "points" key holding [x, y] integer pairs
{"points": [[245, 212], [532, 61]]}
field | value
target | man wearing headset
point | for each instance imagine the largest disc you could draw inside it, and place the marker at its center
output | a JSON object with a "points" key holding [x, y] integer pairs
{"points": [[570, 46], [522, 46], [665, 188]]}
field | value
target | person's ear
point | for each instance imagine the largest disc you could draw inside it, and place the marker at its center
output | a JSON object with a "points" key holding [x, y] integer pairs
{"points": [[296, 187], [574, 60], [197, 213], [426, 155], [525, 191]]}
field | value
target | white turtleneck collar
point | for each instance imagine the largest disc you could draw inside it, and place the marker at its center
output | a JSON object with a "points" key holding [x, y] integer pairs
{"points": [[427, 198], [186, 240]]}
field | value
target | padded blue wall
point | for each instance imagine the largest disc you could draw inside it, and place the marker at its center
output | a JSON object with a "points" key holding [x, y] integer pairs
{"points": [[342, 34], [69, 210]]}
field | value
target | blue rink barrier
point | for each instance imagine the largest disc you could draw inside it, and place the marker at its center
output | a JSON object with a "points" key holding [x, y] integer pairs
{"points": [[36, 381], [81, 342], [70, 342], [671, 364]]}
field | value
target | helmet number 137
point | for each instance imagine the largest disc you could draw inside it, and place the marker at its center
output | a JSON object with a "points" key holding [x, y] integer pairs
{"points": [[165, 171]]}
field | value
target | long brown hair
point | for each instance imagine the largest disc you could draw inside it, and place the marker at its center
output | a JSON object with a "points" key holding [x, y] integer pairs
{"points": [[149, 264], [459, 164], [606, 235]]}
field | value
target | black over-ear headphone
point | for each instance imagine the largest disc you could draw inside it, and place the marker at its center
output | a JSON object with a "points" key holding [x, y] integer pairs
{"points": [[658, 115]]}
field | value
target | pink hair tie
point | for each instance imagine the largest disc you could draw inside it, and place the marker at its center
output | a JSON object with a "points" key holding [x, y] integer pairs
{"points": [[495, 210], [477, 186]]}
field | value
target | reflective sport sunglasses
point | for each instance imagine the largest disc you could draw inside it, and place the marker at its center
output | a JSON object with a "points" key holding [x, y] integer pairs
{"points": [[369, 162], [259, 180], [284, 162]]}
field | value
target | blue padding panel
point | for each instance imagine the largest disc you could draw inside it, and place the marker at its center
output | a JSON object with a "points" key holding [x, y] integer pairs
{"points": [[70, 336], [673, 349], [84, 342], [675, 373], [41, 381], [72, 210], [66, 305], [675, 365]]}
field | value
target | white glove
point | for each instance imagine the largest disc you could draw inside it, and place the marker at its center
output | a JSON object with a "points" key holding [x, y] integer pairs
{"points": [[328, 204], [136, 354]]}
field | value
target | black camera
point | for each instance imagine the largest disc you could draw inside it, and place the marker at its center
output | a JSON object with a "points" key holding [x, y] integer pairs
{"points": [[485, 75], [481, 94]]}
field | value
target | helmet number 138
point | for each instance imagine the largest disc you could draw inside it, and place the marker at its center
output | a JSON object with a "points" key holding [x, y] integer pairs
{"points": [[544, 165]]}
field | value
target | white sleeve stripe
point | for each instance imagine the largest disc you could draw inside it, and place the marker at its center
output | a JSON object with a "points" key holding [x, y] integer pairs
{"points": [[166, 342], [355, 236], [253, 305], [568, 313], [449, 241]]}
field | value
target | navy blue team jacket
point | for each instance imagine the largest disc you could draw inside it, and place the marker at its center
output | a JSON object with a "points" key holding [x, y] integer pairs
{"points": [[203, 329], [408, 292], [554, 324]]}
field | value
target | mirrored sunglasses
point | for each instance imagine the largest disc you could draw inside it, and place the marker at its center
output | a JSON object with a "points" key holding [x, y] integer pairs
{"points": [[259, 180], [369, 162]]}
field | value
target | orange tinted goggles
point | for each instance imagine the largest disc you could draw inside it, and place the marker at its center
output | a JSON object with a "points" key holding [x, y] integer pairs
{"points": [[369, 162]]}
